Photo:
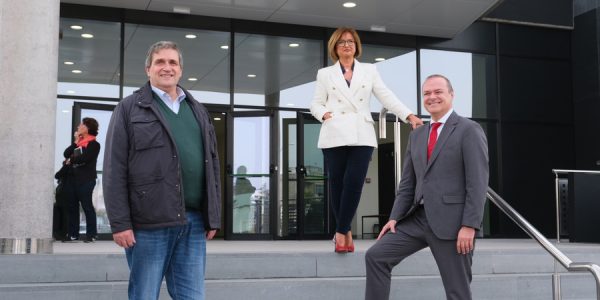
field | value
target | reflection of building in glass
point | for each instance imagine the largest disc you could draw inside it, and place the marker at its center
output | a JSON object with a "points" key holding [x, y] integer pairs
{"points": [[260, 198], [243, 191], [315, 211], [314, 171]]}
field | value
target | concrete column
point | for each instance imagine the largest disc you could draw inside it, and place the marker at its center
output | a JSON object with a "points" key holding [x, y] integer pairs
{"points": [[28, 62]]}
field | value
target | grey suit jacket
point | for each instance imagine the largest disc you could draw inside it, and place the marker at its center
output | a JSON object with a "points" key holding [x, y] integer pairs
{"points": [[454, 181]]}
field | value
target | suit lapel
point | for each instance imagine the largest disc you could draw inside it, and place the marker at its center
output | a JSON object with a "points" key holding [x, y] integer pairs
{"points": [[358, 76], [421, 140], [447, 131]]}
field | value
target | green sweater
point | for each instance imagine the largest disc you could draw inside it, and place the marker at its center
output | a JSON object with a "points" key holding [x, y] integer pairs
{"points": [[190, 147]]}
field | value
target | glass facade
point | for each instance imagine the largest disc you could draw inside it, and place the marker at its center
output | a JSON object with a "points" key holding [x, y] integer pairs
{"points": [[274, 179], [205, 60], [473, 77], [88, 58], [275, 71]]}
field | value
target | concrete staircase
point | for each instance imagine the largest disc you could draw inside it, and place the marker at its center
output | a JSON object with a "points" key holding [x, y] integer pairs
{"points": [[503, 269]]}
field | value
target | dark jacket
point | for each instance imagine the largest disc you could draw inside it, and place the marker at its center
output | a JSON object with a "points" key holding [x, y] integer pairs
{"points": [[142, 176], [83, 166]]}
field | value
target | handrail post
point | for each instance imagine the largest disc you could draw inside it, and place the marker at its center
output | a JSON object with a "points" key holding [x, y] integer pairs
{"points": [[397, 143], [556, 277], [382, 123], [397, 153]]}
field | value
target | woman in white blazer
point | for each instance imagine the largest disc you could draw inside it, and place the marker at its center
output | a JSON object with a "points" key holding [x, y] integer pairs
{"points": [[347, 136]]}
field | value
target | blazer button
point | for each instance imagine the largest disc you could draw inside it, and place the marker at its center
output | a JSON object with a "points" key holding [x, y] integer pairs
{"points": [[339, 100], [363, 86], [361, 99], [334, 87], [343, 112]]}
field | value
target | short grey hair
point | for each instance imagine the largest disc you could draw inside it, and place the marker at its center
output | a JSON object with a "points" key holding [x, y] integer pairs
{"points": [[450, 89], [160, 46]]}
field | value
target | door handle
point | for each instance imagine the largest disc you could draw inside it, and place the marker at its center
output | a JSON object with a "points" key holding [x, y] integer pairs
{"points": [[301, 170]]}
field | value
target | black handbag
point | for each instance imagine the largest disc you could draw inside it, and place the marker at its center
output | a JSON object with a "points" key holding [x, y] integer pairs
{"points": [[62, 173]]}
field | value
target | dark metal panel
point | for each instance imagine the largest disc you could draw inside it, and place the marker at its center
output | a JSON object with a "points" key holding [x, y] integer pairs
{"points": [[480, 37], [555, 12], [515, 40]]}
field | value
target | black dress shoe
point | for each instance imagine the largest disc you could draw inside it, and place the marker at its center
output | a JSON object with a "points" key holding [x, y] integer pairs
{"points": [[69, 238], [90, 239]]}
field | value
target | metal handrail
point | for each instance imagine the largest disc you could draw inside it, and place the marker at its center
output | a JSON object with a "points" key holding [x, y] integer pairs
{"points": [[556, 276], [549, 247]]}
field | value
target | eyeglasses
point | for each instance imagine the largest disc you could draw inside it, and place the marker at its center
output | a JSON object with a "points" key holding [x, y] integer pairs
{"points": [[344, 43]]}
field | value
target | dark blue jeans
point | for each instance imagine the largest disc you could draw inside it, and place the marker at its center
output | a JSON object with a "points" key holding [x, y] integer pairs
{"points": [[347, 168], [80, 193], [176, 253]]}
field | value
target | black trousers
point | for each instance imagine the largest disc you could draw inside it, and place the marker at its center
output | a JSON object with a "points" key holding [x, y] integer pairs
{"points": [[347, 168], [80, 193]]}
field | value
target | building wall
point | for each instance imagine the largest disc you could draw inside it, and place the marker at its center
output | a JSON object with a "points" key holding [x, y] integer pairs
{"points": [[527, 111]]}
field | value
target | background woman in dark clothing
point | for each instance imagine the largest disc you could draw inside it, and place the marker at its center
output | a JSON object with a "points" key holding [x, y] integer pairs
{"points": [[81, 156]]}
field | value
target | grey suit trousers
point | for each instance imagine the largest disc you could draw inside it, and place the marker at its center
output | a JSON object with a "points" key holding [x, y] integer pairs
{"points": [[413, 234]]}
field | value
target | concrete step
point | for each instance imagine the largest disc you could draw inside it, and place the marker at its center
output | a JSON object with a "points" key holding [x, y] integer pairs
{"points": [[503, 269]]}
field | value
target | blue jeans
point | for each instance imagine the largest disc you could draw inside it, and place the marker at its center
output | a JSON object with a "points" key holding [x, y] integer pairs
{"points": [[176, 253], [346, 168]]}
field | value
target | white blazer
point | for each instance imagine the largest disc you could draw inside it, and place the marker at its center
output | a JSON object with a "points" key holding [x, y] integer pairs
{"points": [[352, 123]]}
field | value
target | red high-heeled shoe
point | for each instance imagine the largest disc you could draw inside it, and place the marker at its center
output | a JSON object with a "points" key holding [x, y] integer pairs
{"points": [[339, 249], [350, 248]]}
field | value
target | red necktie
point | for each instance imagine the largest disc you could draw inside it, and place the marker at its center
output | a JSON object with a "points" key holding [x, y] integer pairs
{"points": [[432, 138]]}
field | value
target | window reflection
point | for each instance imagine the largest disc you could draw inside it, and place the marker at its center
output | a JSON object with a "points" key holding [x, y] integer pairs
{"points": [[88, 66], [205, 60], [251, 200], [275, 71], [473, 77], [397, 67]]}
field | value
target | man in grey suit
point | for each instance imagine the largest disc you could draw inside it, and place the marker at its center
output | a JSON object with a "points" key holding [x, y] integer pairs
{"points": [[440, 198]]}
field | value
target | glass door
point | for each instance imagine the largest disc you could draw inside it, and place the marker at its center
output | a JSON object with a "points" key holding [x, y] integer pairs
{"points": [[304, 212], [102, 113], [250, 177]]}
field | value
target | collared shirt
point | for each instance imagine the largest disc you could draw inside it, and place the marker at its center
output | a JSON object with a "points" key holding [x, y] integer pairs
{"points": [[164, 96], [442, 120]]}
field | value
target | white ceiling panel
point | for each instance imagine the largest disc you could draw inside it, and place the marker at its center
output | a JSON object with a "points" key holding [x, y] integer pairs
{"points": [[437, 18], [372, 10], [215, 11]]}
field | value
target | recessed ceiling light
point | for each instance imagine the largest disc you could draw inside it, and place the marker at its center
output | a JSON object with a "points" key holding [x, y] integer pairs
{"points": [[217, 119], [251, 75], [290, 104], [87, 35], [70, 92], [378, 28], [379, 59], [223, 113], [69, 63], [225, 47], [190, 36], [181, 10], [192, 79], [76, 71], [76, 27], [294, 45], [349, 4], [66, 111]]}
